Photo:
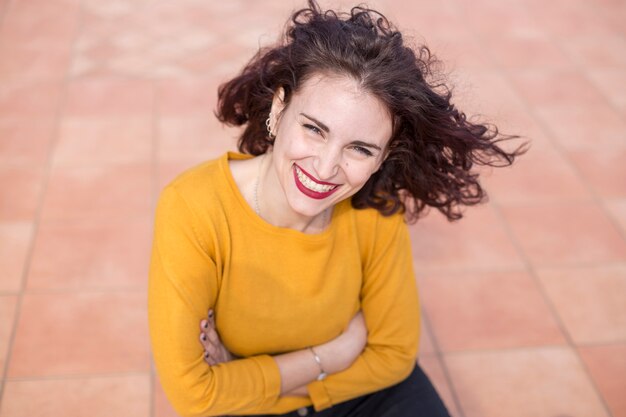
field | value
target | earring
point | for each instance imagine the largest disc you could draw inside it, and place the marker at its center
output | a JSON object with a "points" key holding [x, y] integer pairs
{"points": [[269, 128]]}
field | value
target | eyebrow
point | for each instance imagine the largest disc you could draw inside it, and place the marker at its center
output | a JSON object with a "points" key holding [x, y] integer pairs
{"points": [[320, 124], [327, 130]]}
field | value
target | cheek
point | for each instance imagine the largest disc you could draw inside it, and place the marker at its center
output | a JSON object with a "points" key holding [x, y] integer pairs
{"points": [[358, 175], [298, 148]]}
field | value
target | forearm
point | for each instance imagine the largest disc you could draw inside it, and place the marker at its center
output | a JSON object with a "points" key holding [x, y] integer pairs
{"points": [[299, 368]]}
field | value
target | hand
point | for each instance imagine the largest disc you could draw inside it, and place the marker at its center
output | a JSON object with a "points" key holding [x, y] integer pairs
{"points": [[338, 354], [214, 350]]}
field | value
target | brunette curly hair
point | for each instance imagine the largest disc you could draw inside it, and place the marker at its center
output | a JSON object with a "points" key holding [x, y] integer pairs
{"points": [[433, 146]]}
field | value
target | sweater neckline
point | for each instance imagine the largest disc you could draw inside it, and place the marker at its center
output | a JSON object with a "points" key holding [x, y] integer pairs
{"points": [[258, 220]]}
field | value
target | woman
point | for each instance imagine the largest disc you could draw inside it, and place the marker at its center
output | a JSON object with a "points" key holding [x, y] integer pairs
{"points": [[298, 248]]}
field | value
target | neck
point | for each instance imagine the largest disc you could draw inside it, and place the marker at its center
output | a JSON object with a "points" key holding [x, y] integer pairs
{"points": [[278, 212]]}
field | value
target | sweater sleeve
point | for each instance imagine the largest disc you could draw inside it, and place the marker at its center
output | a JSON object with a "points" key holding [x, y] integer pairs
{"points": [[390, 305], [183, 285]]}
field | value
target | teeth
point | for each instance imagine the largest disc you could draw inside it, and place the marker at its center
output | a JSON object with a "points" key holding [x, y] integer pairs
{"points": [[310, 184]]}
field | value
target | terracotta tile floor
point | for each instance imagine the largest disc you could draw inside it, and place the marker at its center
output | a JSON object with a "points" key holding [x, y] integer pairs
{"points": [[103, 102]]}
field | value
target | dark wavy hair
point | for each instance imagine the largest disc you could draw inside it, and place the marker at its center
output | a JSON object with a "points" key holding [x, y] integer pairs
{"points": [[433, 146]]}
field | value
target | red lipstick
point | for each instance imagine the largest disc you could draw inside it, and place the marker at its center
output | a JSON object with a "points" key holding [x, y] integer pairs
{"points": [[307, 191]]}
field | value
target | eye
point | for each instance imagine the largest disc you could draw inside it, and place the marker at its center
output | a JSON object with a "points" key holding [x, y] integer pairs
{"points": [[313, 129], [362, 150]]}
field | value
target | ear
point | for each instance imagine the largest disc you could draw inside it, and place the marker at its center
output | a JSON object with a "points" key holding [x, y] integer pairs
{"points": [[278, 105]]}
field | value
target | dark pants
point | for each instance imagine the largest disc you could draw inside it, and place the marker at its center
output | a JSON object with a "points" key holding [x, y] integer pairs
{"points": [[415, 396]]}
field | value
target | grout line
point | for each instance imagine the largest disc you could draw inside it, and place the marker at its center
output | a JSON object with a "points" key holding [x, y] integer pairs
{"points": [[440, 358], [76, 290], [91, 375], [436, 271], [511, 349], [155, 181]]}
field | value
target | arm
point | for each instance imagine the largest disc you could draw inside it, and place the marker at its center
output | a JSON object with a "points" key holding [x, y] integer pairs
{"points": [[296, 368], [391, 309], [183, 284]]}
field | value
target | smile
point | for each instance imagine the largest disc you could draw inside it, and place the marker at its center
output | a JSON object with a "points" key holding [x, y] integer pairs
{"points": [[311, 187]]}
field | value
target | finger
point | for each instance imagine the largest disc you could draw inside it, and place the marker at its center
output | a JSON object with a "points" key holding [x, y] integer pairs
{"points": [[213, 336], [209, 359], [205, 342], [213, 350], [211, 317], [204, 324]]}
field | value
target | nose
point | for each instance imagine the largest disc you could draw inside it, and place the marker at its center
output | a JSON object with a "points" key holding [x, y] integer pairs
{"points": [[327, 162]]}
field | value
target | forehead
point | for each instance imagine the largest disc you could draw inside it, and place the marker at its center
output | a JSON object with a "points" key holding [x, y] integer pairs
{"points": [[344, 106]]}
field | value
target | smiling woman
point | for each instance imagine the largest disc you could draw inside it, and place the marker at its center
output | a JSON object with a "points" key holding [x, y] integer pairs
{"points": [[329, 141], [299, 250]]}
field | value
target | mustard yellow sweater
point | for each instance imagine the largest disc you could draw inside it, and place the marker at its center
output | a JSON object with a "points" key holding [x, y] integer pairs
{"points": [[274, 290]]}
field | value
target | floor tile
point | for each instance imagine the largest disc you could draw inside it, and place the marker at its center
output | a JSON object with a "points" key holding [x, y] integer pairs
{"points": [[98, 192], [603, 169], [26, 142], [540, 175], [488, 310], [515, 51], [491, 18], [612, 83], [83, 333], [161, 405], [109, 97], [87, 255], [426, 343], [598, 51], [565, 234], [590, 301], [488, 96], [39, 22], [431, 366], [581, 127], [520, 383], [478, 241], [73, 397], [8, 310], [15, 241], [546, 88], [458, 53], [187, 98], [193, 139], [88, 141], [223, 59], [566, 19], [29, 98], [617, 210], [607, 366], [20, 192], [34, 60], [428, 20]]}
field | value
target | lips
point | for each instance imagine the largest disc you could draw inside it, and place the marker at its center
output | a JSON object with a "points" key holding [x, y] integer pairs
{"points": [[312, 187]]}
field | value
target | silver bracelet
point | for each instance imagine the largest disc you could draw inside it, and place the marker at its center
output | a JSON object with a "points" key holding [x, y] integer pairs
{"points": [[322, 374]]}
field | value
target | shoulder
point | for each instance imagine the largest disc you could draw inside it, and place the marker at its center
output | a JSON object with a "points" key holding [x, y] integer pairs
{"points": [[375, 231], [200, 178], [195, 196], [371, 221]]}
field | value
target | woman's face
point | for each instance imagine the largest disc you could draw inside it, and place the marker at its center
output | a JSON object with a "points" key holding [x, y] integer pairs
{"points": [[329, 140]]}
